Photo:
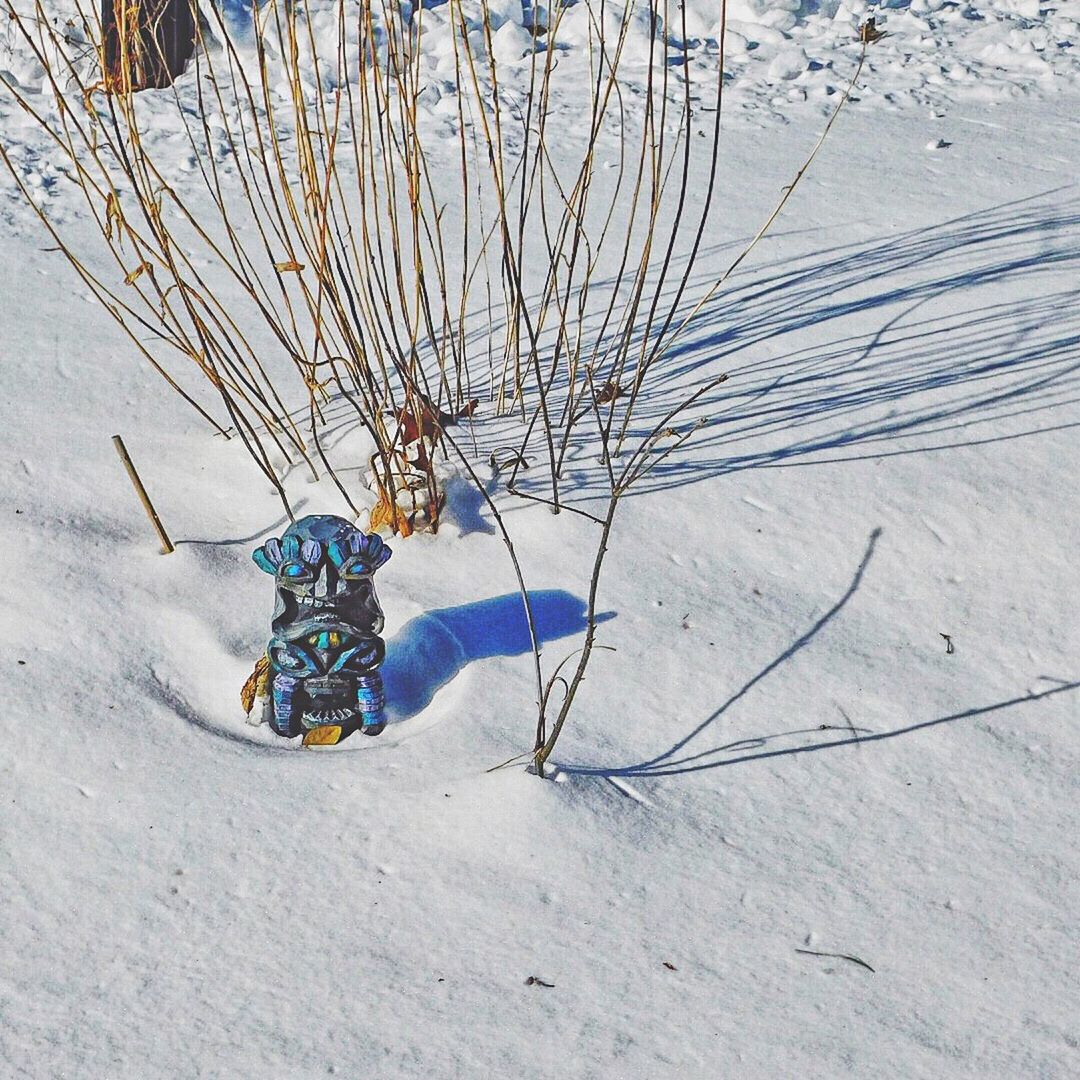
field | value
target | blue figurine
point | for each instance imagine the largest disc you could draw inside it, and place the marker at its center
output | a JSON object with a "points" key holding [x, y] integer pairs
{"points": [[326, 650]]}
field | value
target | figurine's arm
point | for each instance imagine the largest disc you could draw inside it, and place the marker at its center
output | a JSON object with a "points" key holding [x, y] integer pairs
{"points": [[372, 701], [284, 706]]}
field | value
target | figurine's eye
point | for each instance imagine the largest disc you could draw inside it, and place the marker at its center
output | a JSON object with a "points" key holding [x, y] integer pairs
{"points": [[361, 658], [288, 658], [296, 573], [355, 569]]}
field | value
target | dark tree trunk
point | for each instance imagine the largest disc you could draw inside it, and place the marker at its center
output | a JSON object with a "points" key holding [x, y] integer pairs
{"points": [[160, 37]]}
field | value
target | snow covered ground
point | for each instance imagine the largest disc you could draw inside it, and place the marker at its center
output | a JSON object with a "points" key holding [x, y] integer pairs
{"points": [[780, 769]]}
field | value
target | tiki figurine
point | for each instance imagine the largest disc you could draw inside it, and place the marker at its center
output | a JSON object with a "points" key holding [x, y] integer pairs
{"points": [[322, 662]]}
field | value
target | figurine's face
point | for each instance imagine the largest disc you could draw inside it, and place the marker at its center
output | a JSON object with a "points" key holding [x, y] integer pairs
{"points": [[327, 612], [323, 594]]}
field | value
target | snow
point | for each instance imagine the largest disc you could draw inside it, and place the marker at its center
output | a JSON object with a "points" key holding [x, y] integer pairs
{"points": [[781, 755]]}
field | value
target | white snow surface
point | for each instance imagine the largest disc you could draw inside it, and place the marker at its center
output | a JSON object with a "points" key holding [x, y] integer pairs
{"points": [[781, 768], [776, 52]]}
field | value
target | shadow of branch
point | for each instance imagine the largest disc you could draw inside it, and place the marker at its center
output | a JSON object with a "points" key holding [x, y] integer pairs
{"points": [[647, 767], [681, 767]]}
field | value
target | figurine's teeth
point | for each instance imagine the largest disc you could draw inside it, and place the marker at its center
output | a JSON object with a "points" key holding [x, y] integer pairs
{"points": [[328, 716]]}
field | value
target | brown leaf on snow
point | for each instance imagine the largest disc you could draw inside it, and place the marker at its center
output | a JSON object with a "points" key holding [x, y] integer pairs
{"points": [[421, 461], [257, 685], [869, 33], [385, 515], [421, 421], [609, 392]]}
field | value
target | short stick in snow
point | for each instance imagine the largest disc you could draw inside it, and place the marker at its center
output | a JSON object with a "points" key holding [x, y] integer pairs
{"points": [[167, 547]]}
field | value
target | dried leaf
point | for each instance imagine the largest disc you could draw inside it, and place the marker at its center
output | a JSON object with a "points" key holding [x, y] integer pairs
{"points": [[113, 213], [421, 421], [137, 273], [421, 461], [423, 516], [869, 33], [290, 267], [257, 685], [609, 392], [325, 735], [386, 515]]}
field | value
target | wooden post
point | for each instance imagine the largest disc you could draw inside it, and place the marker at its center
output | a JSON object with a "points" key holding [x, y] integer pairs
{"points": [[166, 544]]}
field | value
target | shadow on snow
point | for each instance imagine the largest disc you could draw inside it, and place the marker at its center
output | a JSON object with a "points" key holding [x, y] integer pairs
{"points": [[430, 650], [674, 762]]}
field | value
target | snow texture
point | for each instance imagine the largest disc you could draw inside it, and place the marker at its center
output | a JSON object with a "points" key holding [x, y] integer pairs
{"points": [[817, 814]]}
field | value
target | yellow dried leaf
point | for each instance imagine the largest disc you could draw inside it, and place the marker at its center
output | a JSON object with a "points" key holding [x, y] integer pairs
{"points": [[257, 685], [137, 273], [386, 515], [292, 266], [113, 213], [328, 735]]}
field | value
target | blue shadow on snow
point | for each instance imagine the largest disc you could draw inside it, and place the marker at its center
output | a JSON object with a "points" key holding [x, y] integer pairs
{"points": [[430, 650]]}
